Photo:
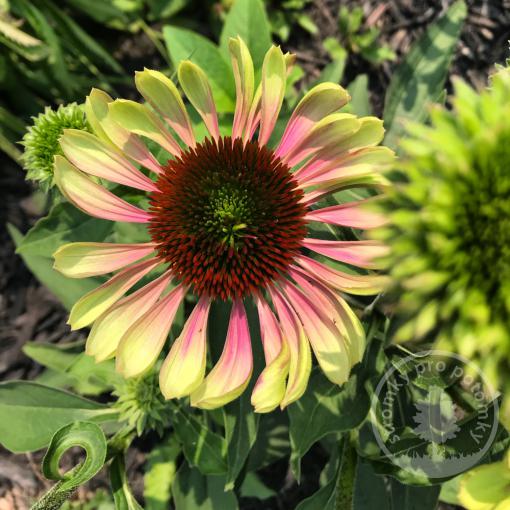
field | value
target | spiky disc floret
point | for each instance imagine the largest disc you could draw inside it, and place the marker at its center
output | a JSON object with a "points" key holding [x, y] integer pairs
{"points": [[42, 140], [227, 217], [450, 228]]}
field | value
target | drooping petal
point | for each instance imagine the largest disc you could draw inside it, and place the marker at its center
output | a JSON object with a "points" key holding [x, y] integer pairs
{"points": [[352, 214], [294, 335], [81, 260], [95, 157], [357, 253], [242, 65], [138, 119], [96, 109], [93, 304], [230, 376], [319, 102], [269, 389], [327, 343], [184, 368], [270, 332], [196, 86], [93, 198], [360, 285], [273, 91], [337, 309], [142, 343], [163, 95], [107, 330]]}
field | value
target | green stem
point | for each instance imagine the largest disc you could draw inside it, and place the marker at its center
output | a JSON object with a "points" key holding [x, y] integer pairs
{"points": [[346, 480]]}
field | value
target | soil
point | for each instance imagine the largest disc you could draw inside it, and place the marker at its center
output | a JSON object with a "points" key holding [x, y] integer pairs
{"points": [[29, 312]]}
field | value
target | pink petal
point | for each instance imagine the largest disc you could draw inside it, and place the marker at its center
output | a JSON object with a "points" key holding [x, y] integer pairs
{"points": [[184, 368], [80, 260], [196, 86], [230, 376], [96, 108], [360, 285], [299, 348], [142, 343], [108, 329], [327, 343], [273, 90], [242, 66], [270, 332], [357, 253], [95, 157], [320, 101], [330, 131], [93, 198], [337, 309], [353, 214], [93, 304]]}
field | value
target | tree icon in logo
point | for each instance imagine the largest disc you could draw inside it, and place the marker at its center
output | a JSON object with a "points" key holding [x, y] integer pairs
{"points": [[435, 419]]}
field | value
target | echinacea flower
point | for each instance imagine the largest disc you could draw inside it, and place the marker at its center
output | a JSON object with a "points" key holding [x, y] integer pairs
{"points": [[41, 140], [449, 229], [229, 220]]}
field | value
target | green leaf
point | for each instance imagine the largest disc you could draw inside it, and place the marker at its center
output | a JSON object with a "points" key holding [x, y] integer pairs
{"points": [[184, 44], [67, 290], [63, 224], [413, 498], [252, 487], [248, 19], [122, 495], [194, 491], [360, 101], [202, 447], [241, 425], [272, 441], [327, 408], [31, 413], [82, 373], [370, 490], [159, 474], [420, 78], [85, 435]]}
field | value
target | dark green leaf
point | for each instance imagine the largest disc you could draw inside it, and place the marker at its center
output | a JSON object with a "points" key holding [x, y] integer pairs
{"points": [[202, 447], [241, 425], [31, 413], [194, 491], [327, 408], [419, 79], [413, 498]]}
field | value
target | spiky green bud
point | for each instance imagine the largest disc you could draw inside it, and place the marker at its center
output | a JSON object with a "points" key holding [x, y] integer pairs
{"points": [[42, 140], [141, 405]]}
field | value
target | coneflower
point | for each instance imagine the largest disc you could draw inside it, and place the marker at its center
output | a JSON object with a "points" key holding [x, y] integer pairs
{"points": [[229, 220]]}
